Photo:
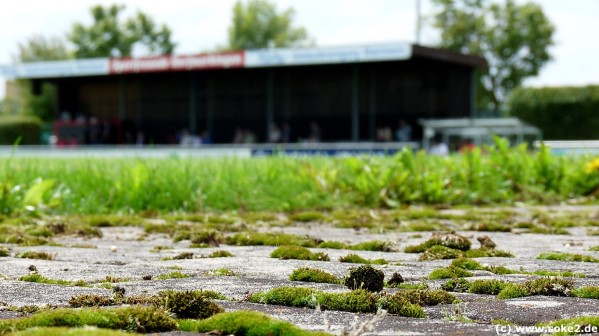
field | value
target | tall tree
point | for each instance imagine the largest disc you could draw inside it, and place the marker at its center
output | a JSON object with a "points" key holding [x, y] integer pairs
{"points": [[257, 24], [108, 36], [513, 38]]}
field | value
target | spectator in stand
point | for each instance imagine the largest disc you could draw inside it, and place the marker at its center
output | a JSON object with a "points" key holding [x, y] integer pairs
{"points": [[314, 135], [286, 133], [404, 132], [206, 138], [238, 136], [274, 133]]}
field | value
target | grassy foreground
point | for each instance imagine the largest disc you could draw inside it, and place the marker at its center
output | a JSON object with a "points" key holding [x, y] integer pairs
{"points": [[492, 175]]}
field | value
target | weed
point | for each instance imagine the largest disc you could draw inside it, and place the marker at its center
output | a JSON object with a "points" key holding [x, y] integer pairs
{"points": [[297, 252], [220, 254], [36, 255], [563, 256], [313, 275], [365, 277]]}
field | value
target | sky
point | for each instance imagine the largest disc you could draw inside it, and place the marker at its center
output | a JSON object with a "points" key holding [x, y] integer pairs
{"points": [[201, 25]]}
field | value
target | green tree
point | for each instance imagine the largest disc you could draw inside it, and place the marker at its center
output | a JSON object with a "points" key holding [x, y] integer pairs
{"points": [[39, 48], [513, 38], [257, 24], [108, 36]]}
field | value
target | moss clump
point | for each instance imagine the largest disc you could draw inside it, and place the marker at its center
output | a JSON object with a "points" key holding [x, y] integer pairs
{"points": [[297, 252], [451, 240], [271, 239], [484, 253], [399, 306], [356, 259], [459, 285], [541, 286], [582, 324], [588, 292], [246, 323], [374, 245], [448, 272], [207, 238], [490, 287], [335, 245], [365, 277], [395, 280], [558, 273], [223, 271], [4, 252], [490, 227], [285, 296], [220, 254], [467, 263], [134, 318], [35, 277], [36, 255], [307, 216], [90, 300], [183, 255], [172, 275], [356, 301], [563, 256], [440, 252], [500, 270], [187, 304], [425, 297], [594, 248], [313, 275], [62, 331]]}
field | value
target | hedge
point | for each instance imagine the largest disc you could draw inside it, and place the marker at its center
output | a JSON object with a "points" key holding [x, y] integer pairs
{"points": [[14, 126], [562, 113]]}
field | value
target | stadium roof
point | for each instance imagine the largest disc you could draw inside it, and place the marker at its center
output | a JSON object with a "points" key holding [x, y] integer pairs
{"points": [[257, 58]]}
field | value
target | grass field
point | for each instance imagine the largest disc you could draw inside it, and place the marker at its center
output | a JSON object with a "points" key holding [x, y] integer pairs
{"points": [[494, 175]]}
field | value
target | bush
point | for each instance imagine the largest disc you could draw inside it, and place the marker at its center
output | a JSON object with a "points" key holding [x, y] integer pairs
{"points": [[365, 277], [12, 127], [562, 113]]}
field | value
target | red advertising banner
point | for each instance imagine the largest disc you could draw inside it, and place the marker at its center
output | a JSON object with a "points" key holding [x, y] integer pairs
{"points": [[177, 63]]}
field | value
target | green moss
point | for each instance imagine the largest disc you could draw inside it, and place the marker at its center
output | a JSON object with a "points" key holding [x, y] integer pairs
{"points": [[4, 252], [490, 227], [183, 255], [375, 245], [485, 253], [558, 273], [425, 297], [539, 229], [588, 292], [356, 259], [467, 263], [365, 277], [246, 323], [594, 248], [490, 287], [297, 252], [448, 272], [62, 331], [187, 304], [563, 256], [397, 306], [579, 325], [220, 254], [440, 252], [172, 275], [336, 245], [423, 226], [420, 285], [313, 275], [36, 255], [207, 238], [35, 277], [356, 301], [133, 318], [221, 272], [511, 291], [285, 296], [459, 285], [90, 300], [500, 270], [271, 239], [308, 216]]}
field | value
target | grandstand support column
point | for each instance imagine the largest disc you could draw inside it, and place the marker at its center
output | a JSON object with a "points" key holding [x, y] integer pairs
{"points": [[270, 100], [122, 97], [355, 111], [372, 100], [193, 103]]}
